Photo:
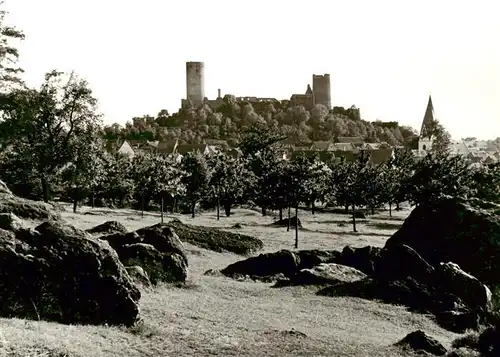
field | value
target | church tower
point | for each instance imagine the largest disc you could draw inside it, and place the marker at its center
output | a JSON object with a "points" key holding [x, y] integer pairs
{"points": [[425, 139]]}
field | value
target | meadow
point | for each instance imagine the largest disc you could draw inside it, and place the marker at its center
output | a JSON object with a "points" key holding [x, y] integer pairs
{"points": [[218, 316]]}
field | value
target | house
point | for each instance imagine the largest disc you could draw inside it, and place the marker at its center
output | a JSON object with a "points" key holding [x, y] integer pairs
{"points": [[357, 141], [126, 149], [379, 156], [321, 146]]}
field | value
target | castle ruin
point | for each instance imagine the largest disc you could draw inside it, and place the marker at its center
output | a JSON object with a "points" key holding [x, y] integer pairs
{"points": [[195, 83], [195, 92]]}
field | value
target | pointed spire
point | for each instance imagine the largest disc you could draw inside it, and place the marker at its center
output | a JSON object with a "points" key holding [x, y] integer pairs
{"points": [[309, 90], [428, 119]]}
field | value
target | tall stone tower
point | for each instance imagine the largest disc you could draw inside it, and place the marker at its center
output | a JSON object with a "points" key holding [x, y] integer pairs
{"points": [[321, 89], [195, 82]]}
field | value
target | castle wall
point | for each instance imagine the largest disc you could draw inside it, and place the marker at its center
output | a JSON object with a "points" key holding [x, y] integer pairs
{"points": [[306, 100], [195, 82], [321, 89]]}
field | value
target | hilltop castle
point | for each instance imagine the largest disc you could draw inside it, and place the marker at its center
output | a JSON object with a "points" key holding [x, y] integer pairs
{"points": [[195, 92]]}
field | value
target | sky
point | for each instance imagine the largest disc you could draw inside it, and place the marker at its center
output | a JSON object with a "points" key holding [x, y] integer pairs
{"points": [[383, 56]]}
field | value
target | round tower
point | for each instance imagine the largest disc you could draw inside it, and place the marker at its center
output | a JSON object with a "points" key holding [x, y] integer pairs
{"points": [[195, 82], [321, 90]]}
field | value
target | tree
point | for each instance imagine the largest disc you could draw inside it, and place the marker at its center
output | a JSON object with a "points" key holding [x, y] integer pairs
{"points": [[42, 124], [85, 171], [230, 181], [486, 179], [438, 174], [9, 55], [196, 178], [442, 138]]}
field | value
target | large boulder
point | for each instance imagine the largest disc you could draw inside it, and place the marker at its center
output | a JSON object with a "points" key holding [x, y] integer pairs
{"points": [[455, 230], [157, 249], [419, 341], [401, 261], [23, 208], [471, 291], [64, 274], [283, 262], [324, 274], [363, 259], [159, 266], [216, 239], [109, 227], [10, 222]]}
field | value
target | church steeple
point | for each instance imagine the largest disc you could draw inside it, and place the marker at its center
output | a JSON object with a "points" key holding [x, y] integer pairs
{"points": [[428, 121], [309, 90]]}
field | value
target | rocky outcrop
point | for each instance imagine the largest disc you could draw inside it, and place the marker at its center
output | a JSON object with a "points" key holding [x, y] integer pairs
{"points": [[64, 274], [156, 249], [324, 274], [109, 227], [455, 230], [272, 266], [215, 239], [419, 341]]}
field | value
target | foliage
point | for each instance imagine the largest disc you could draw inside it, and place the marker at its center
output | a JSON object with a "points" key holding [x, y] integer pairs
{"points": [[196, 178], [43, 125], [9, 55]]}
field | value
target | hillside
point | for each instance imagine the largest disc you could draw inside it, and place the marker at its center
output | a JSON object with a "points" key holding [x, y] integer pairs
{"points": [[302, 126]]}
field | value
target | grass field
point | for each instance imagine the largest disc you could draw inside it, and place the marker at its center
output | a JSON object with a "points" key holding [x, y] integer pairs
{"points": [[221, 317]]}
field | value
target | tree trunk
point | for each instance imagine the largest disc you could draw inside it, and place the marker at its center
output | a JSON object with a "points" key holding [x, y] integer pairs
{"points": [[373, 210], [142, 205], [354, 218], [193, 208], [161, 209], [312, 207], [45, 189], [397, 206], [227, 208], [281, 213], [218, 208], [93, 200], [174, 203], [264, 211], [297, 226], [390, 209], [75, 199], [289, 220], [347, 208]]}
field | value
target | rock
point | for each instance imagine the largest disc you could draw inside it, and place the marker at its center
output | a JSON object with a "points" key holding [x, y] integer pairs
{"points": [[284, 222], [138, 275], [160, 267], [363, 259], [455, 230], [324, 274], [216, 239], [489, 342], [157, 249], [265, 265], [420, 341], [24, 208], [109, 227], [311, 258], [464, 352], [10, 222], [237, 226], [458, 321], [65, 275], [401, 261], [4, 189], [470, 290]]}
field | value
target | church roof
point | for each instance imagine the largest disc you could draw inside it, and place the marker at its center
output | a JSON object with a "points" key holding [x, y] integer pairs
{"points": [[428, 120]]}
